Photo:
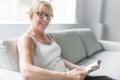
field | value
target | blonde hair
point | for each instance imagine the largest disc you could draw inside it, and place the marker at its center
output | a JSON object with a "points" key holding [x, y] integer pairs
{"points": [[40, 5]]}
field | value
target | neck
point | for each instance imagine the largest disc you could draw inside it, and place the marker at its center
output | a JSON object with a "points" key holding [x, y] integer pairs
{"points": [[34, 31]]}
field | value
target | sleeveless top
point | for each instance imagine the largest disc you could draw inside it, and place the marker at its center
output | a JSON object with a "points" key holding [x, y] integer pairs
{"points": [[48, 56]]}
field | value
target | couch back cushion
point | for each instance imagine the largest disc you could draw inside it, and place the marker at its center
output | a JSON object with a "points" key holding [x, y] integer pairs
{"points": [[71, 45], [89, 40], [75, 45], [10, 54], [4, 58]]}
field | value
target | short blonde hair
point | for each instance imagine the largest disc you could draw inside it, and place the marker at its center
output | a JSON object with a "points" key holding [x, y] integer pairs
{"points": [[40, 5]]}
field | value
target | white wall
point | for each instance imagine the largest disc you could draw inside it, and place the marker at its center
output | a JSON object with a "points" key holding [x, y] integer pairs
{"points": [[12, 30], [81, 11], [15, 30], [111, 19], [107, 14], [93, 11], [93, 16]]}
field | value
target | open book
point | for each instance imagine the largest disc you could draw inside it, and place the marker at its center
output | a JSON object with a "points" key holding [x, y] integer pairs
{"points": [[94, 66]]}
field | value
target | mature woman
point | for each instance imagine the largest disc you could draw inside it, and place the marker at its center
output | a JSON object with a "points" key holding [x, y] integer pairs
{"points": [[39, 54]]}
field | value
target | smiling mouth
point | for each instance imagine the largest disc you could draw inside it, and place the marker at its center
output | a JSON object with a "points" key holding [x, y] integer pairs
{"points": [[43, 23]]}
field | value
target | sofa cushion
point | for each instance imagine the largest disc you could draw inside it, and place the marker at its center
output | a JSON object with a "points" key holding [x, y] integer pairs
{"points": [[11, 48], [89, 40], [71, 45], [4, 58], [110, 65]]}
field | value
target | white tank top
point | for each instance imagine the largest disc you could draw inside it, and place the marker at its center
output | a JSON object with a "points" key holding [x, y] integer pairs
{"points": [[48, 56]]}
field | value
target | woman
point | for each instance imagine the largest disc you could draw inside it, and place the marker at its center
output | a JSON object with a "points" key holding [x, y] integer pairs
{"points": [[39, 54]]}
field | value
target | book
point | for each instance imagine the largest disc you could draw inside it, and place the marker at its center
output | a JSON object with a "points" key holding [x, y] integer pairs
{"points": [[93, 66]]}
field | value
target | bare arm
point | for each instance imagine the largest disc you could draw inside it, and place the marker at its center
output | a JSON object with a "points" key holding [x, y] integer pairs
{"points": [[29, 71], [26, 48], [71, 66]]}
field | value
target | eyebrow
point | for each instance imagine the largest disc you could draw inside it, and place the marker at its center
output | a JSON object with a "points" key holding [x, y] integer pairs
{"points": [[46, 13], [42, 12]]}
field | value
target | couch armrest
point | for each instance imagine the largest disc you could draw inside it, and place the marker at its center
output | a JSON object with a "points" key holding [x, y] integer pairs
{"points": [[110, 45], [9, 75]]}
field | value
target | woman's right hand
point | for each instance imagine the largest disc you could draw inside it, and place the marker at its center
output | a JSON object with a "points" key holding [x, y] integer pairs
{"points": [[75, 75]]}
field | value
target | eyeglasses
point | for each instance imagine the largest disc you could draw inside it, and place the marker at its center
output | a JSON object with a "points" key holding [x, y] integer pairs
{"points": [[42, 15]]}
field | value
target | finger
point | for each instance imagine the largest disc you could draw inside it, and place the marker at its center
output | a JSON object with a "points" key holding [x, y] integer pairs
{"points": [[82, 66], [74, 69], [83, 73]]}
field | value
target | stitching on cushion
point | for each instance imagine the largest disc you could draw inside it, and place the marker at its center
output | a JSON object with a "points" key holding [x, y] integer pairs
{"points": [[82, 43]]}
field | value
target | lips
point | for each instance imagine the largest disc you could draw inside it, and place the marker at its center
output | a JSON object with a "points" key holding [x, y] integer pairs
{"points": [[43, 24]]}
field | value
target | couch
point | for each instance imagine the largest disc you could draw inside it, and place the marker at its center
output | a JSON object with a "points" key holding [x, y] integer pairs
{"points": [[79, 46]]}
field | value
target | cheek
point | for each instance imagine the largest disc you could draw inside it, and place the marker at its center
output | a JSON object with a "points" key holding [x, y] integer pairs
{"points": [[35, 20]]}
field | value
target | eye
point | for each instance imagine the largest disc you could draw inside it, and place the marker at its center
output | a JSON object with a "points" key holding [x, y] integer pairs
{"points": [[48, 16], [41, 14]]}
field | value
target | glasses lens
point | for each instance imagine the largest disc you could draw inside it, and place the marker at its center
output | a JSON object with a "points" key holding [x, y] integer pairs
{"points": [[42, 15]]}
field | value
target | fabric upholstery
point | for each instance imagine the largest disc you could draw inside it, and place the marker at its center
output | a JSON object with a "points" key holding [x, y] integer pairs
{"points": [[110, 65], [9, 75], [78, 46], [4, 58], [110, 45], [11, 48], [89, 40], [71, 45]]}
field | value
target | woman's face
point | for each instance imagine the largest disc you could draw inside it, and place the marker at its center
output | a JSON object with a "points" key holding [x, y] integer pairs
{"points": [[41, 19]]}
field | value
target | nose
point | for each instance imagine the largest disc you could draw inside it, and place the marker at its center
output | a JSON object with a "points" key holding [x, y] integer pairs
{"points": [[45, 18]]}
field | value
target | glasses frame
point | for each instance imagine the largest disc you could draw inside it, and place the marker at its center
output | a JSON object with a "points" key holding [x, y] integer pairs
{"points": [[42, 15]]}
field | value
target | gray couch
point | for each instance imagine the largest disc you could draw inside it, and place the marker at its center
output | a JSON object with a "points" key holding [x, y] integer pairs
{"points": [[79, 46]]}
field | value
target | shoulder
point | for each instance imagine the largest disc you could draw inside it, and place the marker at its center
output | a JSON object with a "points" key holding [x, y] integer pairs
{"points": [[26, 40], [51, 35]]}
